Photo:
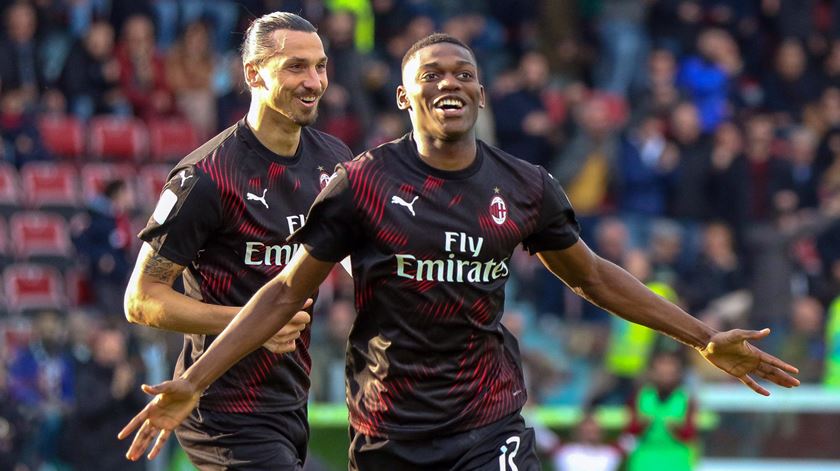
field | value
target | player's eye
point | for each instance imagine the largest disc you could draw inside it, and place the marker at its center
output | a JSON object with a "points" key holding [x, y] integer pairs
{"points": [[428, 76], [465, 75], [321, 66]]}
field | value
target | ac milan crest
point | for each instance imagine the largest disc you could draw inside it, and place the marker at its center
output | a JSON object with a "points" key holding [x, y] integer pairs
{"points": [[324, 179], [498, 210]]}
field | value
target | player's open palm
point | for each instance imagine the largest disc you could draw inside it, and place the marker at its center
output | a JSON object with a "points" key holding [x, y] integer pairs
{"points": [[173, 402], [284, 340], [731, 352]]}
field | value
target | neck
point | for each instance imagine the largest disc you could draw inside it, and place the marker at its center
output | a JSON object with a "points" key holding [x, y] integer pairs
{"points": [[277, 133], [447, 155]]}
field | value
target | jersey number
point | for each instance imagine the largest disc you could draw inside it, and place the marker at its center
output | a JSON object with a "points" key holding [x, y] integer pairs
{"points": [[506, 458]]}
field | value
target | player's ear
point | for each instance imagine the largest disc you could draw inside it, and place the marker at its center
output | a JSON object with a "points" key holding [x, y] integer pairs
{"points": [[252, 75], [402, 98]]}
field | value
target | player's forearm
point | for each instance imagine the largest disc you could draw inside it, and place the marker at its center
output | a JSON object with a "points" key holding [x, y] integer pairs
{"points": [[616, 291], [158, 305], [266, 313]]}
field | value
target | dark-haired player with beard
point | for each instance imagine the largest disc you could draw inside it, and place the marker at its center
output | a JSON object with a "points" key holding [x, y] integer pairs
{"points": [[434, 380], [222, 221]]}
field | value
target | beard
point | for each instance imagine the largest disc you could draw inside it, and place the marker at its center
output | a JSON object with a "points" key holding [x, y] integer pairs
{"points": [[302, 119]]}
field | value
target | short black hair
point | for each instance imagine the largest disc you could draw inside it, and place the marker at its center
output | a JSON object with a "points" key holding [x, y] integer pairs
{"points": [[431, 40], [112, 188]]}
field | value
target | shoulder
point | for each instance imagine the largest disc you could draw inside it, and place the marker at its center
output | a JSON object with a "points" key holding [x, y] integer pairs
{"points": [[378, 155], [517, 167], [221, 147], [334, 145]]}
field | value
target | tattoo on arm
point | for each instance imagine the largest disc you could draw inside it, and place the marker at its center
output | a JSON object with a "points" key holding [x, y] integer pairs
{"points": [[161, 269]]}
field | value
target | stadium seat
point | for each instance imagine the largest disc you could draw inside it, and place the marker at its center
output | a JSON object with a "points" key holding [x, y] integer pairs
{"points": [[48, 185], [150, 183], [41, 237], [172, 139], [117, 138], [30, 287], [64, 136], [9, 189], [79, 289], [5, 250], [95, 175]]}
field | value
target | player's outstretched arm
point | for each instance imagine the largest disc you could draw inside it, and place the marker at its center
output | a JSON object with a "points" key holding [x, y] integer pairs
{"points": [[269, 309], [150, 300], [613, 289]]}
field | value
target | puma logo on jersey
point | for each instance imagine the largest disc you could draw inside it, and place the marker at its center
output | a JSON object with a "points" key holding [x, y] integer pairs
{"points": [[261, 199], [184, 177], [402, 202]]}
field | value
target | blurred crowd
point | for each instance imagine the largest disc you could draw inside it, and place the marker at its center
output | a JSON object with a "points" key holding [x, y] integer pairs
{"points": [[698, 140]]}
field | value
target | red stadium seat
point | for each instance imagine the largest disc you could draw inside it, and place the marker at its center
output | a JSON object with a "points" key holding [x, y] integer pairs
{"points": [[50, 185], [5, 250], [64, 136], [40, 236], [172, 139], [30, 286], [150, 183], [95, 175], [117, 138], [9, 189]]}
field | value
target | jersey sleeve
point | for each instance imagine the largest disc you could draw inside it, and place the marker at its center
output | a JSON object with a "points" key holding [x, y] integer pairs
{"points": [[330, 232], [187, 212], [557, 227]]}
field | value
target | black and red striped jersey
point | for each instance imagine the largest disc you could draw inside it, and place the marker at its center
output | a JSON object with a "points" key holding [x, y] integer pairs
{"points": [[431, 254], [225, 214]]}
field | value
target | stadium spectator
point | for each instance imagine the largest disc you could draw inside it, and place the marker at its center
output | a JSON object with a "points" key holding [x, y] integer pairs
{"points": [[106, 243], [142, 70], [831, 376], [689, 191], [804, 177], [41, 379], [584, 165], [21, 139], [719, 270], [791, 85], [804, 343], [345, 114], [659, 93], [623, 40], [328, 352], [90, 80], [523, 125], [728, 195], [768, 174], [588, 449], [644, 167], [14, 428], [663, 418], [191, 71], [107, 391], [21, 59]]}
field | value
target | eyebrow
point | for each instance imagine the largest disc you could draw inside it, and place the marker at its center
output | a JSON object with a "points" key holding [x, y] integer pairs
{"points": [[459, 63], [305, 59]]}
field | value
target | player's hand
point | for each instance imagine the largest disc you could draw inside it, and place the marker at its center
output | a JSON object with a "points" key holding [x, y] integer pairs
{"points": [[173, 402], [731, 352], [284, 340]]}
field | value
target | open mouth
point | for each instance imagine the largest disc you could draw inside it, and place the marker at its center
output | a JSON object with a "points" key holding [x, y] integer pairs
{"points": [[450, 106], [309, 100]]}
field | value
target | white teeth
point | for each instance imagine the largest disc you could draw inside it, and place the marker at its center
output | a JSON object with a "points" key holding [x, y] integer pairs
{"points": [[454, 102], [308, 99]]}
